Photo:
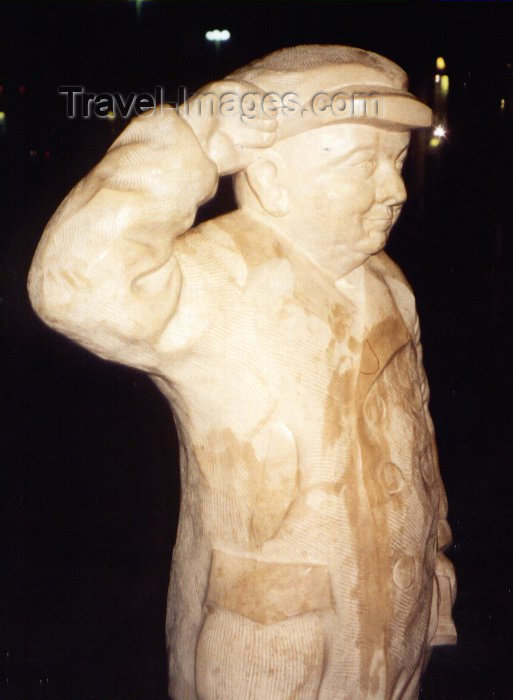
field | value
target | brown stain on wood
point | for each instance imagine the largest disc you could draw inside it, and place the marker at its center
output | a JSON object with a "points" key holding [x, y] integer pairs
{"points": [[277, 487], [336, 406], [339, 321], [352, 344], [228, 462], [382, 341]]}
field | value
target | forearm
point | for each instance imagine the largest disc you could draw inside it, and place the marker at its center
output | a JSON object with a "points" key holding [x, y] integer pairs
{"points": [[104, 272]]}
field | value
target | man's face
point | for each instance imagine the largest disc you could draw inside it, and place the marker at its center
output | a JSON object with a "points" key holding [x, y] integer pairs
{"points": [[344, 188]]}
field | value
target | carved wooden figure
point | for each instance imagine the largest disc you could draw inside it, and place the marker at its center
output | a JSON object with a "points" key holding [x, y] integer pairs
{"points": [[309, 557]]}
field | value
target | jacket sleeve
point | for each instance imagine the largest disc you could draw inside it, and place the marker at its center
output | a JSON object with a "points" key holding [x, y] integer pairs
{"points": [[104, 273]]}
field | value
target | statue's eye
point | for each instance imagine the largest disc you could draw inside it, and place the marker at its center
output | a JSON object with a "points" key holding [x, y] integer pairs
{"points": [[362, 163], [366, 167]]}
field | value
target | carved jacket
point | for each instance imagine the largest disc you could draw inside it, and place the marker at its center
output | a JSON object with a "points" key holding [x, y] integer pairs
{"points": [[309, 555]]}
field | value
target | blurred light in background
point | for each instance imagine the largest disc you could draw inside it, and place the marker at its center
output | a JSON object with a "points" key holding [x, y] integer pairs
{"points": [[439, 133], [439, 101], [217, 35], [2, 118], [138, 6]]}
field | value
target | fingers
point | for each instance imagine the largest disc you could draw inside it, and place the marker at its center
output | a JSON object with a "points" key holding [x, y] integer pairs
{"points": [[251, 132], [229, 99], [253, 138], [225, 154], [269, 125]]}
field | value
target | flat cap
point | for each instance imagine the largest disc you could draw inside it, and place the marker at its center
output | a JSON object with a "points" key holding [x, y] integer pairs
{"points": [[320, 85]]}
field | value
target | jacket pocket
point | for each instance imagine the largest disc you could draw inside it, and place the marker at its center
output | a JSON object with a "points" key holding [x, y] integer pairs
{"points": [[262, 637]]}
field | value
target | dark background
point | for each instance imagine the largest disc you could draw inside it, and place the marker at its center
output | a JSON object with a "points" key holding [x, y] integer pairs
{"points": [[89, 465]]}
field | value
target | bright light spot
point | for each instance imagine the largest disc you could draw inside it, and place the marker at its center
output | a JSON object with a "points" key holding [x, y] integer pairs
{"points": [[111, 116], [440, 63], [503, 102], [439, 132], [2, 117], [444, 84], [437, 78], [434, 142], [218, 35]]}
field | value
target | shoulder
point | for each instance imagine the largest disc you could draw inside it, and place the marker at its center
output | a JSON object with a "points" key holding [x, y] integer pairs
{"points": [[209, 250], [234, 241], [213, 274]]}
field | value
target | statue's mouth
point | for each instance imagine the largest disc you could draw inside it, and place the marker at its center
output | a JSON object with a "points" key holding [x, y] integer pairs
{"points": [[382, 223]]}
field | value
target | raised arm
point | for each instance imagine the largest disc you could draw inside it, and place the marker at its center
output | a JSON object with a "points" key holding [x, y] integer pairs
{"points": [[104, 273]]}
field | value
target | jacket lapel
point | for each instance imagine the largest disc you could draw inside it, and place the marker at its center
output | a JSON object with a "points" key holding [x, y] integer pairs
{"points": [[385, 330]]}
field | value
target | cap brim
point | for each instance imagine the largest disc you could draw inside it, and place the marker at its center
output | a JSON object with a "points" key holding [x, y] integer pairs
{"points": [[388, 110]]}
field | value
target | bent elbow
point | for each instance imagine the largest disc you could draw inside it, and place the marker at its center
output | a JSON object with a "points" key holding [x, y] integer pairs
{"points": [[37, 286], [51, 291]]}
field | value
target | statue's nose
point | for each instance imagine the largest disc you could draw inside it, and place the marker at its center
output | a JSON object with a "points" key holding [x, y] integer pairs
{"points": [[390, 189]]}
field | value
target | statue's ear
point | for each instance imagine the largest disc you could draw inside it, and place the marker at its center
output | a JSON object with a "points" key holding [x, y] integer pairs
{"points": [[263, 181]]}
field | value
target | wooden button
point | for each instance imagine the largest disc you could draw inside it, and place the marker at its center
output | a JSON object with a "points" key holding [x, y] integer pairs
{"points": [[416, 399], [404, 572], [426, 467], [391, 477], [375, 410]]}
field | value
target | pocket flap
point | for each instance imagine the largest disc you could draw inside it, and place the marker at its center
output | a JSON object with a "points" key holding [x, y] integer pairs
{"points": [[267, 592]]}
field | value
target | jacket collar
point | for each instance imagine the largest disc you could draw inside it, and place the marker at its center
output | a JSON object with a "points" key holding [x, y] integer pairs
{"points": [[385, 329]]}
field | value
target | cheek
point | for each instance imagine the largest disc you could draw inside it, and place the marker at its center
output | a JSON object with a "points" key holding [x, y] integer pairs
{"points": [[348, 196]]}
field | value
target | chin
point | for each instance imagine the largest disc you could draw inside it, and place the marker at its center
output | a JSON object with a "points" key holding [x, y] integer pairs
{"points": [[375, 241]]}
